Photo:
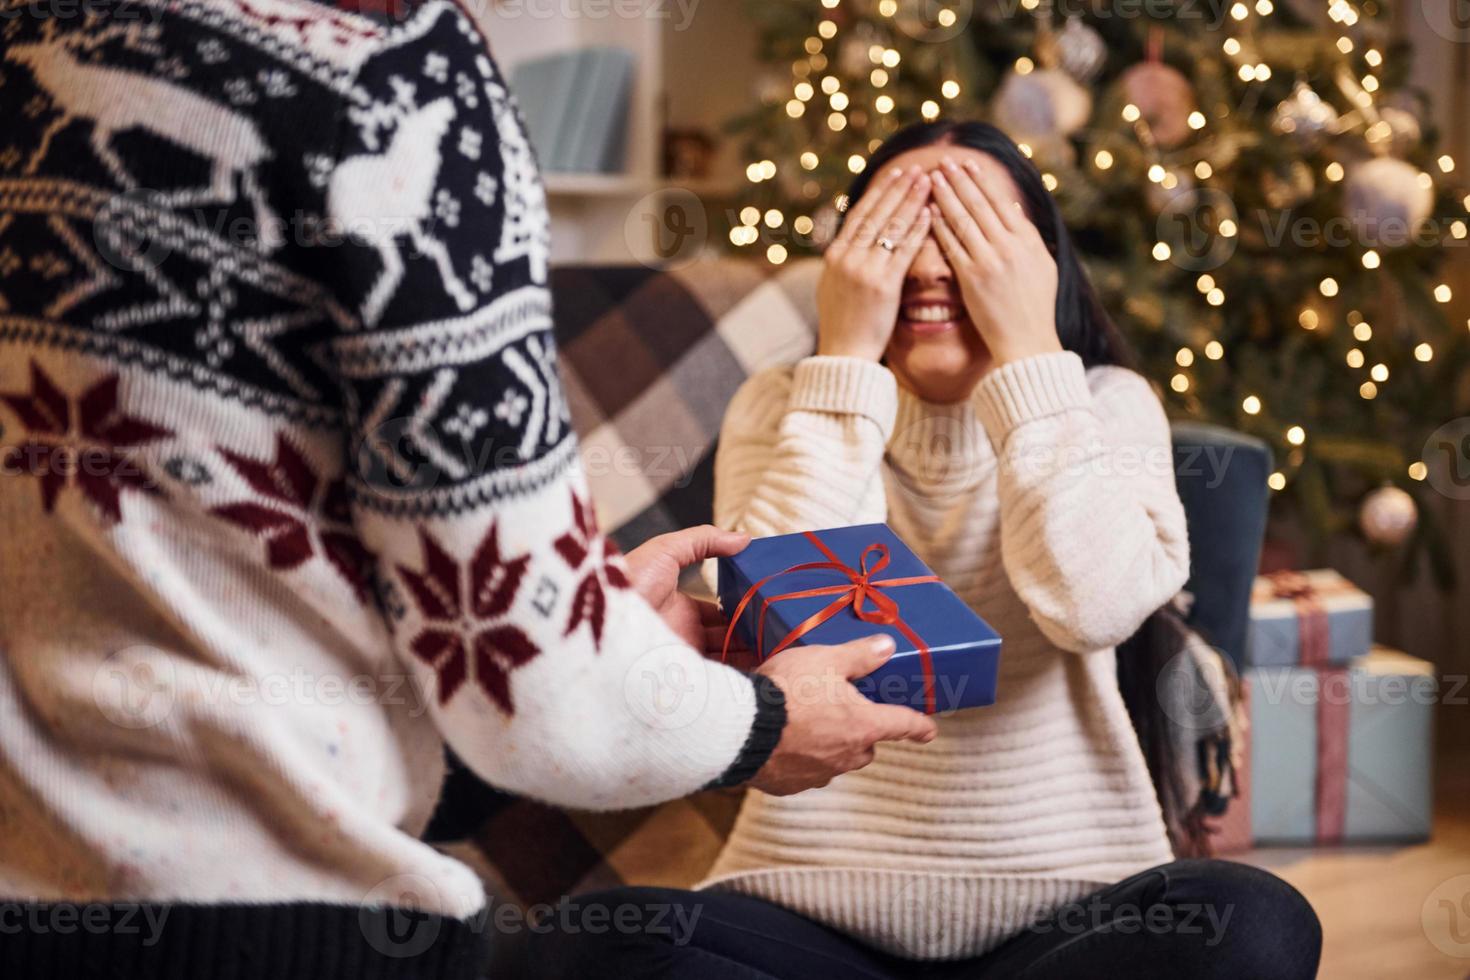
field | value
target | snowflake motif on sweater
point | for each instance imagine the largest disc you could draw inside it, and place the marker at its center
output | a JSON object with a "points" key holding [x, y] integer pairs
{"points": [[299, 506], [461, 606], [256, 241], [84, 441], [583, 547]]}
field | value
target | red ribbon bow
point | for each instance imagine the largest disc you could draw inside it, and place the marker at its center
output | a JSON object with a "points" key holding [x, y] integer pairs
{"points": [[1313, 636], [857, 593]]}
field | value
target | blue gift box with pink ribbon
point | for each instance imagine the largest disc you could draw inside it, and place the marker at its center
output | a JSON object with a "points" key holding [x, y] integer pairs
{"points": [[1342, 754], [840, 584], [1311, 619]]}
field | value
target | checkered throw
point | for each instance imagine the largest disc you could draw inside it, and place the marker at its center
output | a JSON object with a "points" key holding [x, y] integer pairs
{"points": [[649, 361]]}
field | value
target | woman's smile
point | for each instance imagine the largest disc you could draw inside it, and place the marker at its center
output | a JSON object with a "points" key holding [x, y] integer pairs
{"points": [[926, 316]]}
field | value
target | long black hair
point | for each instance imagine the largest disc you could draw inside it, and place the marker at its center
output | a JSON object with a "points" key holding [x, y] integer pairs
{"points": [[1085, 328]]}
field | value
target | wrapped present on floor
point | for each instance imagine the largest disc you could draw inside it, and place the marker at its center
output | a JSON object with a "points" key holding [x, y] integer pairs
{"points": [[1307, 619], [832, 586], [1342, 754]]}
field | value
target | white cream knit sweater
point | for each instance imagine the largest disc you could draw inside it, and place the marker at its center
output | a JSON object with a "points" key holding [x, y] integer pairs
{"points": [[1048, 504]]}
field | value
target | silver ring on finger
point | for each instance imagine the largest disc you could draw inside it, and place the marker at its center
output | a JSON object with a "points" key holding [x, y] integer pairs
{"points": [[886, 244]]}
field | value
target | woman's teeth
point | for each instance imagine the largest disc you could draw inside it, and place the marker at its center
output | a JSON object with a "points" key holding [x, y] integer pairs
{"points": [[930, 314]]}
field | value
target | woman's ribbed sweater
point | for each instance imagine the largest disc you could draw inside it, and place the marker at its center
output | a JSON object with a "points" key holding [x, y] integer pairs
{"points": [[1048, 503]]}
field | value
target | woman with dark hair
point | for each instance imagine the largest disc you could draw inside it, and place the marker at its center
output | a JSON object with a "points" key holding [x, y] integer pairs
{"points": [[969, 390]]}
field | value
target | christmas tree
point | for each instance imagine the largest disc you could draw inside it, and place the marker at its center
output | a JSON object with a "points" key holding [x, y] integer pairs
{"points": [[1257, 195]]}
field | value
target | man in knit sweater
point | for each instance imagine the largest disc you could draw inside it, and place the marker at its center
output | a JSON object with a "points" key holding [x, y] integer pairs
{"points": [[282, 430]]}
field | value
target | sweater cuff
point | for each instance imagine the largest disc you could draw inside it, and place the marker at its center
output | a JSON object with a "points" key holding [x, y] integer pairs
{"points": [[846, 386], [765, 733], [1029, 389]]}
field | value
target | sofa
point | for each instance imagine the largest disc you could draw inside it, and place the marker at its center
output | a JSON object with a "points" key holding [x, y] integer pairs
{"points": [[650, 359]]}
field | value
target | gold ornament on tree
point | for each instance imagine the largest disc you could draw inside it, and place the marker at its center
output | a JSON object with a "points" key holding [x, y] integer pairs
{"points": [[1388, 516]]}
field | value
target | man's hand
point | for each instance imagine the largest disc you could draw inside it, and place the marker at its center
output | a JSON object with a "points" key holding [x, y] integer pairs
{"points": [[654, 567], [831, 728]]}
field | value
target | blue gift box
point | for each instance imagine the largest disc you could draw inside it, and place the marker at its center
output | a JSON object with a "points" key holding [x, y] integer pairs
{"points": [[1276, 619], [1373, 720], [964, 651]]}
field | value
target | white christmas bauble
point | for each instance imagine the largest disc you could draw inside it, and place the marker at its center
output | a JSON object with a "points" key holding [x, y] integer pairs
{"points": [[1388, 516], [1304, 115], [1387, 200], [1081, 49], [1042, 102]]}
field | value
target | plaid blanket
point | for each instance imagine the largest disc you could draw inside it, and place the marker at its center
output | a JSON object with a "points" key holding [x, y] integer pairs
{"points": [[649, 361]]}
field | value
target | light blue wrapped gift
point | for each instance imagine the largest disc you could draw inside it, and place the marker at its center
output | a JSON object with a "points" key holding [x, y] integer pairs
{"points": [[1342, 754], [1307, 618]]}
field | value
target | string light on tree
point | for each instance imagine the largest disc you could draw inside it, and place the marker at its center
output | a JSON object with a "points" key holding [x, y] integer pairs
{"points": [[1311, 335]]}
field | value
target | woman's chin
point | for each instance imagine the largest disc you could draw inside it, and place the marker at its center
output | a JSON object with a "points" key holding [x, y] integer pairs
{"points": [[939, 362]]}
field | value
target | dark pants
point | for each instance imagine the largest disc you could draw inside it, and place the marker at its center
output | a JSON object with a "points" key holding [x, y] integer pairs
{"points": [[1195, 919]]}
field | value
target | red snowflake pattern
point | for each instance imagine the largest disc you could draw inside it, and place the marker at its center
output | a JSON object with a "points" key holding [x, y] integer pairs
{"points": [[583, 545], [86, 442], [300, 502], [461, 607]]}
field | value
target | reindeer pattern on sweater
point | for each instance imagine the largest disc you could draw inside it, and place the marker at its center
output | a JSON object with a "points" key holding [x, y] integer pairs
{"points": [[279, 396]]}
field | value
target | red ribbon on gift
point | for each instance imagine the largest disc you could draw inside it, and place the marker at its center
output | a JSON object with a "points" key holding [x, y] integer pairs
{"points": [[1334, 707], [1329, 788], [859, 590], [1313, 637]]}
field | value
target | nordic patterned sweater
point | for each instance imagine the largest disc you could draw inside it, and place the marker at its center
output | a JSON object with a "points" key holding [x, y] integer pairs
{"points": [[290, 496], [1048, 503]]}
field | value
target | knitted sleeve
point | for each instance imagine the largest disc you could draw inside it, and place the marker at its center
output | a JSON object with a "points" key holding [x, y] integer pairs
{"points": [[1092, 531], [544, 670], [803, 448]]}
